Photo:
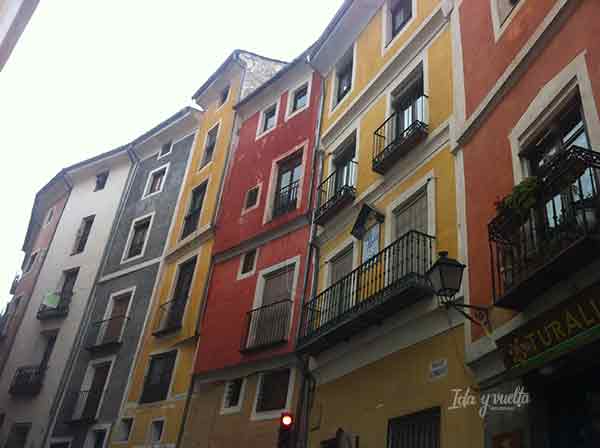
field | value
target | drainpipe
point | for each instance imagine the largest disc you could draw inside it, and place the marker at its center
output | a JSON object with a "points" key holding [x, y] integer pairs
{"points": [[308, 382], [87, 313]]}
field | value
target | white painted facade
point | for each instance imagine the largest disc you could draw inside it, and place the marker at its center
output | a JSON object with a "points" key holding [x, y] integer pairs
{"points": [[14, 15], [29, 343]]}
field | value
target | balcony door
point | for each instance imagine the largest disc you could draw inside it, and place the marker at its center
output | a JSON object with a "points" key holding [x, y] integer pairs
{"points": [[92, 391], [66, 291], [409, 107], [344, 169], [341, 295], [174, 314], [406, 253], [116, 319]]}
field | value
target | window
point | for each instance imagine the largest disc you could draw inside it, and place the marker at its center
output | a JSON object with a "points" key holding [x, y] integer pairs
{"points": [[63, 444], [421, 430], [158, 377], [288, 184], [505, 7], [273, 391], [223, 96], [251, 197], [124, 428], [17, 437], [101, 180], [300, 99], [400, 12], [165, 149], [193, 215], [137, 238], [209, 147], [155, 181], [96, 438], [156, 430], [90, 397], [409, 107], [343, 76], [248, 262], [50, 341], [83, 234], [30, 262], [412, 215], [171, 313], [111, 328], [49, 216], [343, 164], [233, 396], [268, 119]]}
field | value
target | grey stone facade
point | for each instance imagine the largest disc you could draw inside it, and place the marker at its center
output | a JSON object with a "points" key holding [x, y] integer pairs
{"points": [[138, 275]]}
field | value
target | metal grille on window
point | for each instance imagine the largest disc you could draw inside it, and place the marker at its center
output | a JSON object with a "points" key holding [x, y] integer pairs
{"points": [[273, 391], [421, 430], [234, 389]]}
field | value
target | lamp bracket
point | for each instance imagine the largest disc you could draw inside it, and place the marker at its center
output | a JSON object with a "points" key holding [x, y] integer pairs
{"points": [[480, 315]]}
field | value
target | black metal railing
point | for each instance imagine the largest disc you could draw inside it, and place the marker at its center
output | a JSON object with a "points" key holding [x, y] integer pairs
{"points": [[28, 380], [106, 332], [286, 199], [170, 316], [401, 132], [401, 264], [336, 189], [61, 310], [267, 325], [566, 210], [85, 405]]}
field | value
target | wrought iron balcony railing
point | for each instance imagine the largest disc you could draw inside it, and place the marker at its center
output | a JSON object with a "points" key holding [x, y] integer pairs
{"points": [[267, 325], [170, 317], [85, 405], [286, 199], [61, 310], [400, 133], [28, 380], [391, 280], [336, 191], [106, 333], [534, 248]]}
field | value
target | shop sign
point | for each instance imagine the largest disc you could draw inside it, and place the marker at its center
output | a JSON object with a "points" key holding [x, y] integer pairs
{"points": [[571, 319]]}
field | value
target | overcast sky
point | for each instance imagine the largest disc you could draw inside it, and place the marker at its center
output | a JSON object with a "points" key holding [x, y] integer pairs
{"points": [[88, 76]]}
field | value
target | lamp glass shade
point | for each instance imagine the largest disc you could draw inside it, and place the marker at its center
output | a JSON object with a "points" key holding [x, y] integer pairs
{"points": [[445, 276]]}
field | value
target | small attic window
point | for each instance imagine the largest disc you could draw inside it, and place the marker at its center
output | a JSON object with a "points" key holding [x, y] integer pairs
{"points": [[224, 95]]}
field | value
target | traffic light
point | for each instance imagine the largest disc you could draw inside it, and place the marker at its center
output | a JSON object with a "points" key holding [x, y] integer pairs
{"points": [[286, 431]]}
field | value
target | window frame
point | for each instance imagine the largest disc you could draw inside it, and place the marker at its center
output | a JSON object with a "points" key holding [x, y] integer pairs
{"points": [[89, 377], [80, 232], [171, 143], [242, 275], [290, 112], [260, 131], [273, 414], [257, 187], [147, 192], [88, 443], [49, 217], [206, 162], [104, 173], [389, 39], [119, 422], [222, 101], [30, 264], [147, 371], [162, 431], [110, 305], [204, 185], [500, 24], [283, 166], [334, 100], [227, 410], [125, 258], [60, 440]]}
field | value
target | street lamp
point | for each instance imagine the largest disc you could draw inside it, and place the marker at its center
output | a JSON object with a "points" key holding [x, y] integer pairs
{"points": [[445, 278]]}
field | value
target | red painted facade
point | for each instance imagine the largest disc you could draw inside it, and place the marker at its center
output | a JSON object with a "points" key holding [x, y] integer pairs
{"points": [[488, 167], [18, 305], [254, 162]]}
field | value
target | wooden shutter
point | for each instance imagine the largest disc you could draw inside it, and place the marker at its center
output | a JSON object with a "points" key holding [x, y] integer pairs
{"points": [[341, 265], [421, 430], [278, 286], [412, 216]]}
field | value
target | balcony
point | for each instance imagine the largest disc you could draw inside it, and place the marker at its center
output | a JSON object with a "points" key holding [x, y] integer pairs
{"points": [[28, 380], [399, 134], [61, 310], [336, 191], [170, 317], [267, 326], [286, 199], [558, 235], [84, 406], [106, 334], [391, 280]]}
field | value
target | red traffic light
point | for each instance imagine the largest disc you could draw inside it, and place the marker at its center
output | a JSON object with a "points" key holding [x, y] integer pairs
{"points": [[287, 419]]}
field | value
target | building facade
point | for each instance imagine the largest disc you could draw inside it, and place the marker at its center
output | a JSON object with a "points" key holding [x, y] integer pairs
{"points": [[14, 16], [156, 394], [45, 215], [384, 357], [246, 373], [32, 380], [104, 354], [528, 148]]}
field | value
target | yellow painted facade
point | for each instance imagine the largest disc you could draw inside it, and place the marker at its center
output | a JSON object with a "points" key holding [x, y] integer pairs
{"points": [[199, 244], [362, 396]]}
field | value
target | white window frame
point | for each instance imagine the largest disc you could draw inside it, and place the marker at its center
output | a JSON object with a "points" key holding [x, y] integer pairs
{"points": [[109, 308], [147, 194], [289, 113], [271, 415], [172, 143], [387, 40], [261, 117], [107, 172], [49, 217], [124, 258], [119, 422], [258, 198], [274, 177], [162, 432], [233, 409], [37, 257], [88, 440], [227, 98], [250, 273], [499, 25], [423, 63], [89, 376], [202, 165], [333, 102]]}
